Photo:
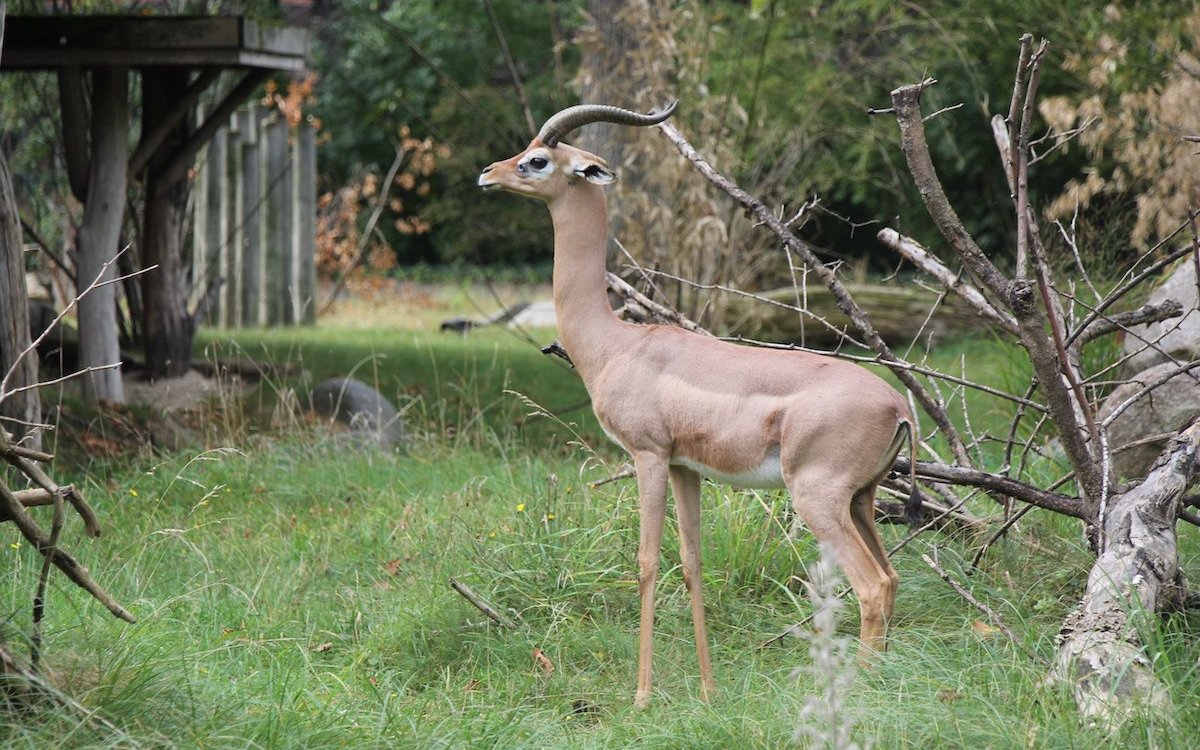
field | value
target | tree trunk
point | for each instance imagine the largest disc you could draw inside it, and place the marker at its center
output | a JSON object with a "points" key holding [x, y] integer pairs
{"points": [[20, 409], [23, 408], [168, 329], [627, 59], [100, 234], [1100, 652]]}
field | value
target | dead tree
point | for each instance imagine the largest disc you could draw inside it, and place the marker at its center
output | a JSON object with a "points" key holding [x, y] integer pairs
{"points": [[1131, 529]]}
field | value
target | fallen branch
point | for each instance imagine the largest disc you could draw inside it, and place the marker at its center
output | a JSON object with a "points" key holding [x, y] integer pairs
{"points": [[1016, 489], [481, 604], [62, 560], [992, 615], [12, 508]]}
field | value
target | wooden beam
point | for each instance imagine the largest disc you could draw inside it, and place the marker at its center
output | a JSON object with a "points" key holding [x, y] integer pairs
{"points": [[152, 140], [73, 102], [178, 166], [50, 42]]}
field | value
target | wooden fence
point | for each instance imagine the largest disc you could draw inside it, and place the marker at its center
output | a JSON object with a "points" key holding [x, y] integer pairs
{"points": [[254, 221]]}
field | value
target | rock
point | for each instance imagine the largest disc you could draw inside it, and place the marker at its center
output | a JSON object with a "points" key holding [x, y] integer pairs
{"points": [[360, 407], [1163, 411], [1178, 337]]}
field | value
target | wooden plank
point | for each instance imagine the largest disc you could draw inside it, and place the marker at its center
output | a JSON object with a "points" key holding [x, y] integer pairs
{"points": [[151, 141], [56, 41], [304, 203], [248, 219], [231, 257], [181, 160], [275, 171], [231, 58], [123, 32]]}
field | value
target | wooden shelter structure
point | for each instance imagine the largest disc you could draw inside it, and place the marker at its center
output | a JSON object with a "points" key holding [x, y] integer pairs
{"points": [[178, 60]]}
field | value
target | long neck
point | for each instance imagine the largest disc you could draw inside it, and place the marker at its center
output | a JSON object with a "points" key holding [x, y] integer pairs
{"points": [[586, 322]]}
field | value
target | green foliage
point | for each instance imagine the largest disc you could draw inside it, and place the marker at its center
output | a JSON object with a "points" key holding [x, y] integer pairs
{"points": [[808, 71], [436, 66]]}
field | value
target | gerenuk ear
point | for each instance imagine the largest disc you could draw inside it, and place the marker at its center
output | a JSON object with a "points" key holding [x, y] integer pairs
{"points": [[594, 170]]}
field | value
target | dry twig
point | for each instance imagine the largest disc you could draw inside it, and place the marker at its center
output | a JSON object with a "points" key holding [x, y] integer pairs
{"points": [[481, 604]]}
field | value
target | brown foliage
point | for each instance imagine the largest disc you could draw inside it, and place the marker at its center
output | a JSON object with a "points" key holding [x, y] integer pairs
{"points": [[1141, 131], [339, 240]]}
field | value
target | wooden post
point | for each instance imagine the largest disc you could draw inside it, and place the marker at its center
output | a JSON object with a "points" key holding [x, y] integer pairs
{"points": [[304, 203], [276, 171], [23, 408], [100, 232], [210, 236], [169, 327], [231, 190], [249, 220]]}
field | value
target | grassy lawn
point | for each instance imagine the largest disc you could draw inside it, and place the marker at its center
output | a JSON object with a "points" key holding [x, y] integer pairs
{"points": [[292, 592]]}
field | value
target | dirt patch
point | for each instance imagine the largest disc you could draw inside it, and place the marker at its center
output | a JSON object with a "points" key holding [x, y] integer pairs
{"points": [[190, 391]]}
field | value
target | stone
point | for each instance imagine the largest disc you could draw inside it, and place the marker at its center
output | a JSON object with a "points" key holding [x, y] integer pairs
{"points": [[361, 408], [1177, 337], [1163, 411]]}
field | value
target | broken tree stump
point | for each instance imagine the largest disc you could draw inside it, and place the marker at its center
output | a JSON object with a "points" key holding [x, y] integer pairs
{"points": [[1100, 653]]}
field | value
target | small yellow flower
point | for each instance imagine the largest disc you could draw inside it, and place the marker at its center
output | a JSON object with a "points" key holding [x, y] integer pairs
{"points": [[15, 545], [549, 516], [491, 535], [520, 507], [133, 492]]}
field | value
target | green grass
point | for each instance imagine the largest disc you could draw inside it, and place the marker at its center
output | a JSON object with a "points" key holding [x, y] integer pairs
{"points": [[292, 593]]}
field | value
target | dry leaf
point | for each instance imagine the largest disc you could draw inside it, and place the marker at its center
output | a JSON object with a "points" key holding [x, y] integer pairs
{"points": [[472, 684], [322, 648], [982, 629], [542, 662]]}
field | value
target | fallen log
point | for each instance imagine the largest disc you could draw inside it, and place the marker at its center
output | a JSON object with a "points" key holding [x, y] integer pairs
{"points": [[899, 312], [1100, 653]]}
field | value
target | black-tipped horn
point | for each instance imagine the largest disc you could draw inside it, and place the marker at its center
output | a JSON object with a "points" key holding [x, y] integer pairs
{"points": [[582, 114]]}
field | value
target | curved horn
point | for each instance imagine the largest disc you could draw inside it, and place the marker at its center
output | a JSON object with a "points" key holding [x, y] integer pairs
{"points": [[582, 114]]}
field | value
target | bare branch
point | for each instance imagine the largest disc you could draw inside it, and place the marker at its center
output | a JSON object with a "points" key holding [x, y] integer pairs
{"points": [[1013, 106], [1133, 282], [1149, 387], [1147, 313], [987, 611], [927, 371], [662, 313], [512, 66], [1016, 489], [1017, 295], [33, 345], [372, 220], [916, 254]]}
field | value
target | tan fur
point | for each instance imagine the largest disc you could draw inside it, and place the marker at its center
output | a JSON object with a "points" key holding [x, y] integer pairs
{"points": [[679, 401]]}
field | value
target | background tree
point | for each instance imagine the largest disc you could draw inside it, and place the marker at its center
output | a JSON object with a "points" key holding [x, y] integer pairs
{"points": [[21, 409]]}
